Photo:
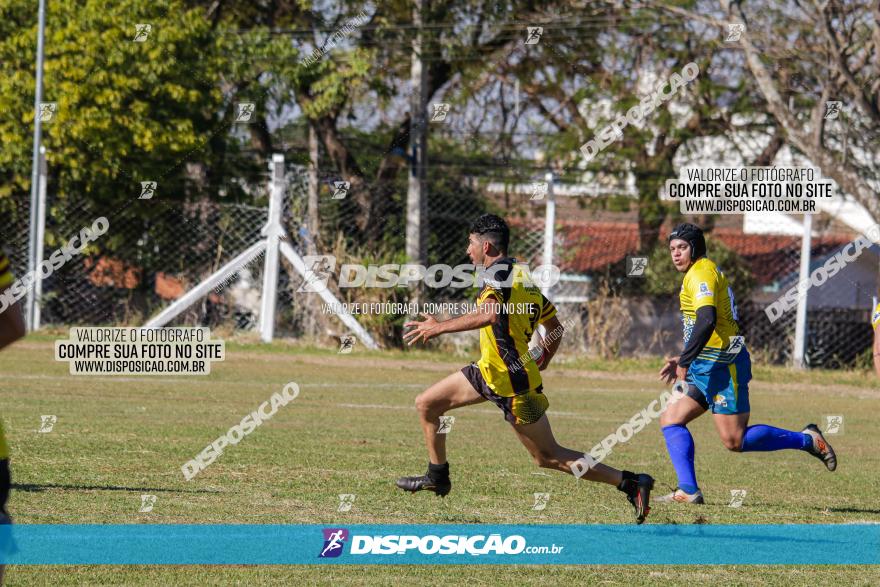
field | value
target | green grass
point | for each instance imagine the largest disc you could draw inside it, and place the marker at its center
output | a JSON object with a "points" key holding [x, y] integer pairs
{"points": [[353, 430]]}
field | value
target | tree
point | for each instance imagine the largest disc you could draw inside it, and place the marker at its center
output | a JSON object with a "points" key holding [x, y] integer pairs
{"points": [[839, 45]]}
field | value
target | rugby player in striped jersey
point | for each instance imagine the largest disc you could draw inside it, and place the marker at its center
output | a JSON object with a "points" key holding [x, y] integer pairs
{"points": [[509, 309]]}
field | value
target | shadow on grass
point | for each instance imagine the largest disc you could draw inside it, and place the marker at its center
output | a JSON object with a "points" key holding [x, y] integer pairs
{"points": [[848, 511], [33, 487]]}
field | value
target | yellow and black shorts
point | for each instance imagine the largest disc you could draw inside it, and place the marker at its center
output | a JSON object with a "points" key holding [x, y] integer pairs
{"points": [[525, 408]]}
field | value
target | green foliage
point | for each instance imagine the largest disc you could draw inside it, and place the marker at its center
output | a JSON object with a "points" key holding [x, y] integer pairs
{"points": [[661, 277], [127, 111]]}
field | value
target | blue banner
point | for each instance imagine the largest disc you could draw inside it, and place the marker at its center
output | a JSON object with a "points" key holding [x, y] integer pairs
{"points": [[161, 544]]}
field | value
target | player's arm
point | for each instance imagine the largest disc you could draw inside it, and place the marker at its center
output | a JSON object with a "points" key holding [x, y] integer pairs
{"points": [[488, 311], [676, 367], [703, 290], [11, 325], [550, 344], [707, 317]]}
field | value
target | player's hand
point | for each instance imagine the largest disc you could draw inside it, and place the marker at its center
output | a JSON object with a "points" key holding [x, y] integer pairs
{"points": [[681, 373], [542, 361], [669, 371], [422, 331]]}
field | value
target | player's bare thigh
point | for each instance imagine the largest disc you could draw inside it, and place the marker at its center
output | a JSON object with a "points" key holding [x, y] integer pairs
{"points": [[453, 391], [681, 412]]}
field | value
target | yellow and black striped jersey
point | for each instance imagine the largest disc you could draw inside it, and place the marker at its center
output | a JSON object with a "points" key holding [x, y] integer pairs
{"points": [[6, 280], [505, 362], [875, 317], [6, 277], [705, 285]]}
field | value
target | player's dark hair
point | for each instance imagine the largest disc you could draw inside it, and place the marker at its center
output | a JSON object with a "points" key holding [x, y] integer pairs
{"points": [[492, 228], [693, 235]]}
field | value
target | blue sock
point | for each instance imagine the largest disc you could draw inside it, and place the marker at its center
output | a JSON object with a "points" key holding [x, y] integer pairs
{"points": [[766, 438], [680, 445]]}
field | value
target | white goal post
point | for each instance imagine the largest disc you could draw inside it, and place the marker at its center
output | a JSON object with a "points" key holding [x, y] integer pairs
{"points": [[272, 245]]}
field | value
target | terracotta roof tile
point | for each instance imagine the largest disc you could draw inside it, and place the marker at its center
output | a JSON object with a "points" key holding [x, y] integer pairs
{"points": [[592, 246]]}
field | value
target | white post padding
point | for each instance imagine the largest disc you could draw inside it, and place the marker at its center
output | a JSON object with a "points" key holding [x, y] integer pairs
{"points": [[800, 328], [216, 278], [273, 232], [300, 266]]}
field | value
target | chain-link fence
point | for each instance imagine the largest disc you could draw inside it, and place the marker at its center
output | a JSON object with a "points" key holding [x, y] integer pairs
{"points": [[15, 214], [624, 310], [155, 250]]}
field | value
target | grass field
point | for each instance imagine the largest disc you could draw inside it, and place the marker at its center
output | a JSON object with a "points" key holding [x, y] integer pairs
{"points": [[353, 429]]}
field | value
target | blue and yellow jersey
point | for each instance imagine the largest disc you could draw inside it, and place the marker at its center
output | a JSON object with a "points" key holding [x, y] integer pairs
{"points": [[705, 285], [504, 360], [6, 278], [875, 317]]}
